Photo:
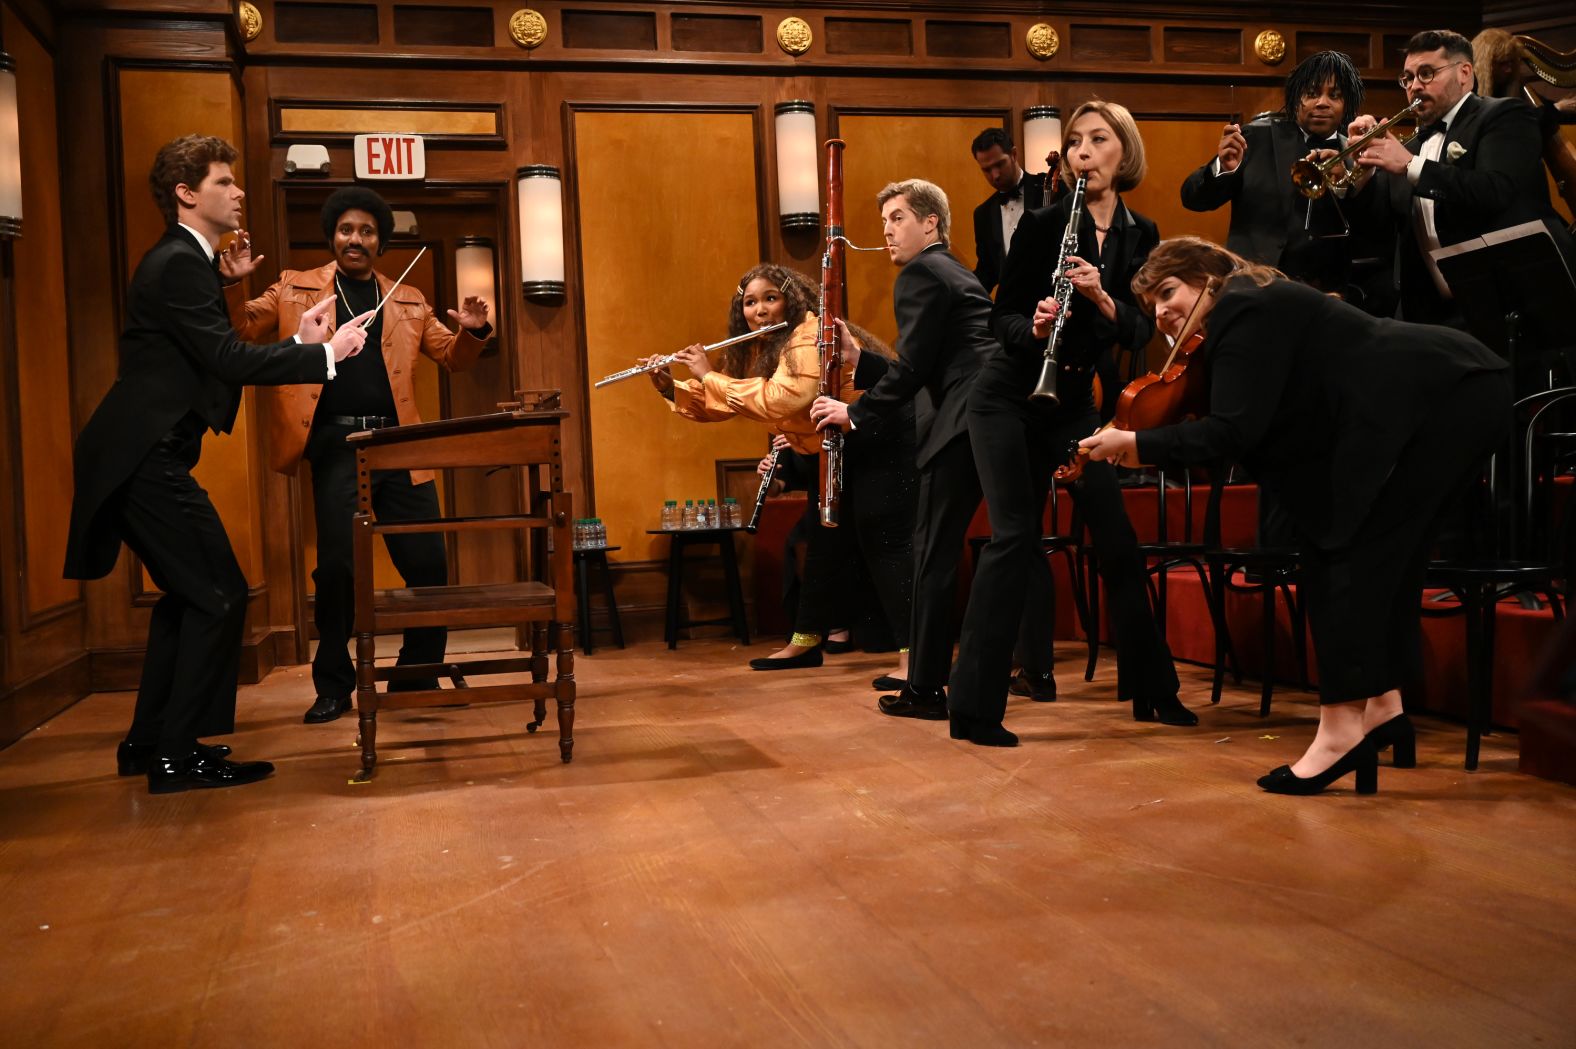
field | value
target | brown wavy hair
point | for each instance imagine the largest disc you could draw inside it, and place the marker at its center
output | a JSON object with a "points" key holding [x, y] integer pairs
{"points": [[758, 358], [185, 161], [1194, 260]]}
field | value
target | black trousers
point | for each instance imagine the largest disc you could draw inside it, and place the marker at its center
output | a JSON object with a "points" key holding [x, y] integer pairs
{"points": [[1017, 447], [877, 527], [420, 558], [190, 671], [1364, 601]]}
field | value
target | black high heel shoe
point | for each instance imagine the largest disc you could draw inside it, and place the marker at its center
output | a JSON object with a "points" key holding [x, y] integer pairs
{"points": [[1167, 710], [1361, 759], [1399, 733]]}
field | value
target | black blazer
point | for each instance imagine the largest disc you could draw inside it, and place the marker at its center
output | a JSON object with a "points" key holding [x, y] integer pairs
{"points": [[1496, 180], [1266, 211], [1028, 278], [1315, 398], [943, 333], [178, 356], [987, 228]]}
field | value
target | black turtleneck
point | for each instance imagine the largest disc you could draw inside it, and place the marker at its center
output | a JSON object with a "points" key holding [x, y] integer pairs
{"points": [[361, 383]]}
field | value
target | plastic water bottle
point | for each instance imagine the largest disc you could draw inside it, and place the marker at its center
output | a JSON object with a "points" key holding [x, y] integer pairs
{"points": [[580, 533], [670, 514], [712, 520], [598, 533], [688, 519], [735, 517]]}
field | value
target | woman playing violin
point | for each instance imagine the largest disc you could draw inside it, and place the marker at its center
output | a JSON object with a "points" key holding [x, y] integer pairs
{"points": [[1018, 442], [1365, 430]]}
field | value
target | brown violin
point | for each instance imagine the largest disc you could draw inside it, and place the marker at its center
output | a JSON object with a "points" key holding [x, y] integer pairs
{"points": [[1177, 392]]}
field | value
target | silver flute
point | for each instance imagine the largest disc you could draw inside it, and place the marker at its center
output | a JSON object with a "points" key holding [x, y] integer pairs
{"points": [[664, 361]]}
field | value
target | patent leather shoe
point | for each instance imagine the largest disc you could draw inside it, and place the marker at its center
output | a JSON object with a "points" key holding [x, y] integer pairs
{"points": [[810, 657], [926, 704], [1167, 710], [168, 775], [326, 709], [1399, 733], [837, 648], [980, 733], [1361, 759], [888, 683], [1040, 687], [133, 759]]}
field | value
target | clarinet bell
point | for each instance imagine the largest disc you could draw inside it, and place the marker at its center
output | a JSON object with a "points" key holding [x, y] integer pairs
{"points": [[1045, 389]]}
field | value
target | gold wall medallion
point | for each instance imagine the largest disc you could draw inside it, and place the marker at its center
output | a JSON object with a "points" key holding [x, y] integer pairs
{"points": [[250, 19], [528, 28], [1270, 46], [794, 36], [1042, 41]]}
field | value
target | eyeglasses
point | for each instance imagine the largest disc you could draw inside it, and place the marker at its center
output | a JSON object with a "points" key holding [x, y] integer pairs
{"points": [[1424, 76]]}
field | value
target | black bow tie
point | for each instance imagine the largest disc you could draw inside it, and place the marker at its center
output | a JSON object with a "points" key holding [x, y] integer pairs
{"points": [[1333, 142], [1009, 196], [1438, 127]]}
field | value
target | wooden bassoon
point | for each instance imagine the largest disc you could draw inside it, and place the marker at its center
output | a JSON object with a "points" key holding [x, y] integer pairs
{"points": [[829, 339]]}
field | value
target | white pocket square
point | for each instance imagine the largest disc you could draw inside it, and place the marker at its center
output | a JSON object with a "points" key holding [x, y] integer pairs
{"points": [[1455, 151]]}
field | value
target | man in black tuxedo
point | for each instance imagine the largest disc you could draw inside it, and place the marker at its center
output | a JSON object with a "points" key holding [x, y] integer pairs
{"points": [[997, 217], [181, 372], [1271, 221], [943, 319], [1476, 167]]}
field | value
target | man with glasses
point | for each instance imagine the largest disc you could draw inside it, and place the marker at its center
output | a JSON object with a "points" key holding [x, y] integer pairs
{"points": [[1475, 166]]}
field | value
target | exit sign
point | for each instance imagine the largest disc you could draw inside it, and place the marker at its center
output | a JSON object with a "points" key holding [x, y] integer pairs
{"points": [[390, 157]]}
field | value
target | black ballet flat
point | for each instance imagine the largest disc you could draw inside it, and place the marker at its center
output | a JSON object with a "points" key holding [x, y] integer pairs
{"points": [[1399, 733], [980, 733], [888, 683], [1037, 686], [837, 648], [1361, 759], [810, 657], [1168, 710]]}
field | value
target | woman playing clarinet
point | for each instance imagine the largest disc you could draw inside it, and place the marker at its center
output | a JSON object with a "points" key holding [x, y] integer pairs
{"points": [[1018, 441]]}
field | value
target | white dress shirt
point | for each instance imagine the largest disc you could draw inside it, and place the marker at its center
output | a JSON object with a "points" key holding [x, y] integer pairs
{"points": [[1423, 207]]}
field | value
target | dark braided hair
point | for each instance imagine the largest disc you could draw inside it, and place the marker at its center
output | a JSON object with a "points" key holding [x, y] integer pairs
{"points": [[758, 358], [1312, 73]]}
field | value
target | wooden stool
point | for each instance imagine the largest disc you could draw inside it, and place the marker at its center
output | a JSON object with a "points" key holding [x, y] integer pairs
{"points": [[585, 557], [678, 613]]}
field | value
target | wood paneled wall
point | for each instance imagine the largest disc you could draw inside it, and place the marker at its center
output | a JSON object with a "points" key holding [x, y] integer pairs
{"points": [[660, 116]]}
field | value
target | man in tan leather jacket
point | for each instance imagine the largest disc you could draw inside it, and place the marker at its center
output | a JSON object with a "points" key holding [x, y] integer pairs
{"points": [[372, 390]]}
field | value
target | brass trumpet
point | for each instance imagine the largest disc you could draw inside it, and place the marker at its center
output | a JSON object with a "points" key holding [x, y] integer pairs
{"points": [[1313, 180]]}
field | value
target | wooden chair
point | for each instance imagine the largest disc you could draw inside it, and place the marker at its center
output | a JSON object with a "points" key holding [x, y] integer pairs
{"points": [[545, 602]]}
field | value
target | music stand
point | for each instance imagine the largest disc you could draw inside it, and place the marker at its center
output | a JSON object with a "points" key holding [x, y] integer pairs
{"points": [[1513, 287]]}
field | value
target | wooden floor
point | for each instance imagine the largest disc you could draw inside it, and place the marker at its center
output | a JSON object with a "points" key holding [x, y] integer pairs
{"points": [[740, 858]]}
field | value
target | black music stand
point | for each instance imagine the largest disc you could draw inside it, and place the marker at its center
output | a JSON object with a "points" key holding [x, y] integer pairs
{"points": [[1514, 290]]}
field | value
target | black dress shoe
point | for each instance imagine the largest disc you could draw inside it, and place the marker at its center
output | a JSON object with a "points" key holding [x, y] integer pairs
{"points": [[980, 733], [837, 648], [926, 704], [326, 709], [1399, 733], [1361, 759], [197, 771], [810, 657], [888, 683], [133, 759], [1168, 710], [1039, 687]]}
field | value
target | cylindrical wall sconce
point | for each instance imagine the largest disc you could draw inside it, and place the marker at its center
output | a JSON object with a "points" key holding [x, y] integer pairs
{"points": [[10, 152], [541, 195], [474, 273], [1042, 135], [798, 166]]}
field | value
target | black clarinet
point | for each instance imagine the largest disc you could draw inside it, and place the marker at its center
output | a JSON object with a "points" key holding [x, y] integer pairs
{"points": [[760, 493]]}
